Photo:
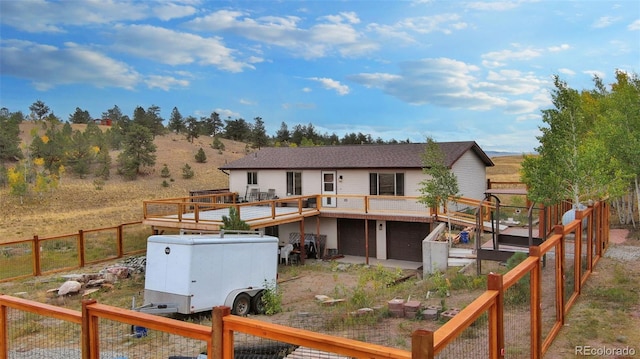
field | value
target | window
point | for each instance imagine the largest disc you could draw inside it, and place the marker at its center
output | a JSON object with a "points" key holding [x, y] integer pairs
{"points": [[386, 184], [294, 183], [252, 177]]}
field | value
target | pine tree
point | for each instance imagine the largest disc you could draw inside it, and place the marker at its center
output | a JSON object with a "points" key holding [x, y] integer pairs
{"points": [[201, 157], [187, 172], [233, 221]]}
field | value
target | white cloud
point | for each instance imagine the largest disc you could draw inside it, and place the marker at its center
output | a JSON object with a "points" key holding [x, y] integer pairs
{"points": [[634, 26], [442, 82], [54, 16], [244, 101], [406, 30], [605, 21], [332, 34], [226, 113], [594, 73], [453, 84], [168, 11], [566, 71], [492, 5], [49, 66], [165, 82], [331, 84], [176, 48], [559, 48], [500, 57]]}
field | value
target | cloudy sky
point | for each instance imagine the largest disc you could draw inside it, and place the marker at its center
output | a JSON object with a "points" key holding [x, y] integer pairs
{"points": [[451, 70]]}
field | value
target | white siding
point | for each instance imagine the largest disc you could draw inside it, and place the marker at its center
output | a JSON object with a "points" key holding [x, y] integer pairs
{"points": [[472, 175], [469, 169]]}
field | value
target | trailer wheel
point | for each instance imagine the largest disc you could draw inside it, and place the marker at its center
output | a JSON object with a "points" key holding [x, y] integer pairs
{"points": [[257, 304], [241, 305]]}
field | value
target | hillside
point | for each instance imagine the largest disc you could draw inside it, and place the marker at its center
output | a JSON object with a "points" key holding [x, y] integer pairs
{"points": [[80, 204]]}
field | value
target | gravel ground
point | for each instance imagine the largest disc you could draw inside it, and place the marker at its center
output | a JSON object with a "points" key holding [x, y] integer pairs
{"points": [[617, 248], [623, 253]]}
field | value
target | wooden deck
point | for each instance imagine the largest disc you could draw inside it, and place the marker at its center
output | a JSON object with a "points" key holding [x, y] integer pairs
{"points": [[205, 212]]}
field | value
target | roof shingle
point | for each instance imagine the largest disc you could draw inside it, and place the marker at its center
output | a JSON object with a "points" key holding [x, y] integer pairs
{"points": [[404, 155]]}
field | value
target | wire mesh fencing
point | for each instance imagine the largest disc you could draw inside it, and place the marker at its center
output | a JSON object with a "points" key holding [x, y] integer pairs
{"points": [[121, 340], [134, 237], [100, 245], [517, 319], [58, 253], [548, 303], [30, 335], [472, 343], [17, 260]]}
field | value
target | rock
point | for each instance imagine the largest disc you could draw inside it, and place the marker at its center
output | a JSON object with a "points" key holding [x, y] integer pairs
{"points": [[76, 277], [120, 272], [70, 286], [322, 298], [96, 282]]}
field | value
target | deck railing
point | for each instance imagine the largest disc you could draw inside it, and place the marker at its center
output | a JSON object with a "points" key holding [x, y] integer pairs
{"points": [[189, 211], [550, 292]]}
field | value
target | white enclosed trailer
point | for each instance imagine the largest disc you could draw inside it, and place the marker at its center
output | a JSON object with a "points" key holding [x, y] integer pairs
{"points": [[194, 273]]}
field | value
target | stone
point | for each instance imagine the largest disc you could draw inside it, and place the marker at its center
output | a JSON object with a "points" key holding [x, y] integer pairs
{"points": [[96, 282], [70, 286], [430, 314], [121, 272]]}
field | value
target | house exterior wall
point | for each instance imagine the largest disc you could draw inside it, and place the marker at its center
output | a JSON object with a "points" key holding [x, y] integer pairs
{"points": [[472, 174]]}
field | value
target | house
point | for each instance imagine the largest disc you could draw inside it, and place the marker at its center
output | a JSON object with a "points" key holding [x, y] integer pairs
{"points": [[385, 175]]}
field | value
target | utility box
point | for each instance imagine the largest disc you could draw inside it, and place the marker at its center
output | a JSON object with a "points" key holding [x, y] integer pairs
{"points": [[194, 273]]}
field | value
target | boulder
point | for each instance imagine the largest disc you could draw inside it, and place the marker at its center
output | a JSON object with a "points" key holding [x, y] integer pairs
{"points": [[70, 286]]}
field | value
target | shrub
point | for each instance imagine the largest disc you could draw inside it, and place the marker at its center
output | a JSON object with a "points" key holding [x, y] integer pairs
{"points": [[201, 157], [187, 172], [271, 298], [217, 144], [165, 173]]}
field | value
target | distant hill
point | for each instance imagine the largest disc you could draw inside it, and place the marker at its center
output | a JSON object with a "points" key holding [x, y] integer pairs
{"points": [[501, 153]]}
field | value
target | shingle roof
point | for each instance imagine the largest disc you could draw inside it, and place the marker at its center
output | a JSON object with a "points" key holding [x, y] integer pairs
{"points": [[404, 155]]}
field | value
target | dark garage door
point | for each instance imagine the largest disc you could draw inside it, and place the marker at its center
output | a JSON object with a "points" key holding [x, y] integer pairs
{"points": [[351, 237], [404, 240]]}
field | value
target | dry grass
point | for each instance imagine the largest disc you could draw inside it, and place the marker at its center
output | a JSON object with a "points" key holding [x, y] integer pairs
{"points": [[79, 204], [506, 169]]}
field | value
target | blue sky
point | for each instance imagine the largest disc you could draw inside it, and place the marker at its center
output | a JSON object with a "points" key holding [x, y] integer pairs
{"points": [[451, 70]]}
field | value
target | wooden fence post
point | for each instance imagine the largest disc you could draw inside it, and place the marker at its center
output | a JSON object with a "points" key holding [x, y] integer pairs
{"points": [[496, 317], [81, 257], [577, 255], [120, 241], [217, 328], [36, 256], [422, 344], [4, 336], [89, 336], [535, 286], [560, 282]]}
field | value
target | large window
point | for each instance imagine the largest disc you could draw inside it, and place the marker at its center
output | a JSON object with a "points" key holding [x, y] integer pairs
{"points": [[386, 184], [294, 183], [252, 177]]}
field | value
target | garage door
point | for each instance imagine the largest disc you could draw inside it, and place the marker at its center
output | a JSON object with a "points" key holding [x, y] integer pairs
{"points": [[351, 237], [404, 240]]}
